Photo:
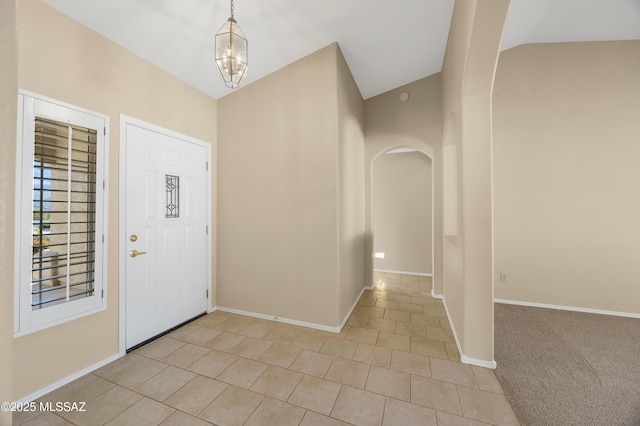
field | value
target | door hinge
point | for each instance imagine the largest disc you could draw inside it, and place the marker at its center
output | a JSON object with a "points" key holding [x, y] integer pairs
{"points": [[207, 229], [102, 238], [104, 131], [102, 293], [207, 293], [104, 184], [207, 166]]}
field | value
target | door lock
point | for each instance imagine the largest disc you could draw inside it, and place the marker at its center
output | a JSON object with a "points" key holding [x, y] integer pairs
{"points": [[133, 238]]}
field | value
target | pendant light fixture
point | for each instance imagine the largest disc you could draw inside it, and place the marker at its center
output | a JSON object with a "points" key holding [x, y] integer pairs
{"points": [[231, 52]]}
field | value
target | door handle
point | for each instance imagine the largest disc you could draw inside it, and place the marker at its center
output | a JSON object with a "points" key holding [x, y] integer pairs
{"points": [[134, 253]]}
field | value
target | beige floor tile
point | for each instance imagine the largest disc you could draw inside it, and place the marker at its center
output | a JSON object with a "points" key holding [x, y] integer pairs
{"points": [[437, 311], [232, 408], [138, 373], [423, 300], [395, 315], [160, 348], [313, 363], [387, 304], [200, 335], [371, 311], [165, 383], [310, 341], [486, 379], [435, 394], [186, 355], [446, 419], [339, 347], [452, 372], [224, 341], [179, 418], [251, 348], [243, 373], [348, 372], [104, 407], [118, 365], [432, 348], [359, 407], [280, 354], [213, 364], [84, 389], [362, 335], [410, 307], [381, 324], [408, 329], [42, 419], [403, 413], [439, 333], [257, 329], [411, 363], [394, 341], [234, 325], [193, 397], [212, 320], [144, 412], [356, 320], [423, 319], [452, 352], [374, 355], [390, 383], [315, 394], [486, 406], [274, 412], [282, 334], [399, 297], [381, 294], [314, 419], [277, 382]]}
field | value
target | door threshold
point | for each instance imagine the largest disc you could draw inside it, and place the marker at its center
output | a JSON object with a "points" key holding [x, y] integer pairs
{"points": [[157, 336]]}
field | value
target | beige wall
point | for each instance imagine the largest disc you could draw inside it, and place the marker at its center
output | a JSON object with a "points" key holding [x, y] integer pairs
{"points": [[283, 167], [416, 123], [468, 74], [88, 70], [351, 225], [566, 150], [402, 212], [8, 120]]}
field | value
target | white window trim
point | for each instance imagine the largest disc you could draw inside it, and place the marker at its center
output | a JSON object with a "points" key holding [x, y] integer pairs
{"points": [[25, 319]]}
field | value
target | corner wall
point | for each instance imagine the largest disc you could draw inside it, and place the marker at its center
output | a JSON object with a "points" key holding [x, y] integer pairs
{"points": [[468, 73], [90, 71], [8, 123], [288, 206], [567, 144]]}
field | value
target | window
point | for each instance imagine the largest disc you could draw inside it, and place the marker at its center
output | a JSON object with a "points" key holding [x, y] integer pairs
{"points": [[61, 205]]}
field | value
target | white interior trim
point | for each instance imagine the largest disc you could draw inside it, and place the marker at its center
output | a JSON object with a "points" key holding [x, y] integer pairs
{"points": [[69, 379], [463, 358], [567, 308], [388, 271], [278, 319]]}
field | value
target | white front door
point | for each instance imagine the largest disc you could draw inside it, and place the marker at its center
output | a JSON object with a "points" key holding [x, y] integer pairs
{"points": [[166, 216]]}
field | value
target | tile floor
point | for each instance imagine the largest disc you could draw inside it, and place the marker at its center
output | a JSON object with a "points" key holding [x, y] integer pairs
{"points": [[394, 363]]}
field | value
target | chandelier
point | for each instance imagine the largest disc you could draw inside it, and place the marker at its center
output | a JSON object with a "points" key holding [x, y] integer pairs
{"points": [[231, 52]]}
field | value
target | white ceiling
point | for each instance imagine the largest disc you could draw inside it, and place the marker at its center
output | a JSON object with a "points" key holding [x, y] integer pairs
{"points": [[387, 43]]}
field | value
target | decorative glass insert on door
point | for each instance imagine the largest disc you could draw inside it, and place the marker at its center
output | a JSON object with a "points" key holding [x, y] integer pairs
{"points": [[173, 196], [64, 213]]}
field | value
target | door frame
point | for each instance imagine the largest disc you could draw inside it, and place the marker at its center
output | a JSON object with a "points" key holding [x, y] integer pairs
{"points": [[122, 237]]}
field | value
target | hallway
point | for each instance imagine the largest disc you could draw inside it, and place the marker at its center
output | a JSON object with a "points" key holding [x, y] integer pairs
{"points": [[394, 363]]}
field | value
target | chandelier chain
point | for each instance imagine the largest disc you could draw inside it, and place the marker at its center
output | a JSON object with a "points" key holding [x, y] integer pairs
{"points": [[232, 8]]}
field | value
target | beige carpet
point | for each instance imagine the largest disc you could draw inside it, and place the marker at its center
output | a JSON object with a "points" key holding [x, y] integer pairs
{"points": [[568, 368]]}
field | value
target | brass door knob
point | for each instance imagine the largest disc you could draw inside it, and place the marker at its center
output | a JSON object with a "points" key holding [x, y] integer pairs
{"points": [[134, 253]]}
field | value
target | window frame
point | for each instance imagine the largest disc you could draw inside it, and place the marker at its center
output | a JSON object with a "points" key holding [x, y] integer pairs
{"points": [[27, 320]]}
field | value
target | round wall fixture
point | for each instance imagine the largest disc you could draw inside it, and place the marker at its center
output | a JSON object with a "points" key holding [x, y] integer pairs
{"points": [[404, 97]]}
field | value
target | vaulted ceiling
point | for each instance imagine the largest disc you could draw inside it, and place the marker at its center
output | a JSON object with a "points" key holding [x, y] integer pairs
{"points": [[387, 43]]}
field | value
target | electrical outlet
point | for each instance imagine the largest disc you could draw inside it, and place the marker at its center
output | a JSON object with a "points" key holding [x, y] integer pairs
{"points": [[503, 277]]}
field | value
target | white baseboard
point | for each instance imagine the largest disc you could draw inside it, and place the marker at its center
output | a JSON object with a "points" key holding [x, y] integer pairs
{"points": [[463, 358], [436, 296], [69, 379], [388, 271], [322, 327], [567, 308]]}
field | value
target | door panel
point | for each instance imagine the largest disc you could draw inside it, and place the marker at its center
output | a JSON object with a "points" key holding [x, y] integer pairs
{"points": [[166, 282]]}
